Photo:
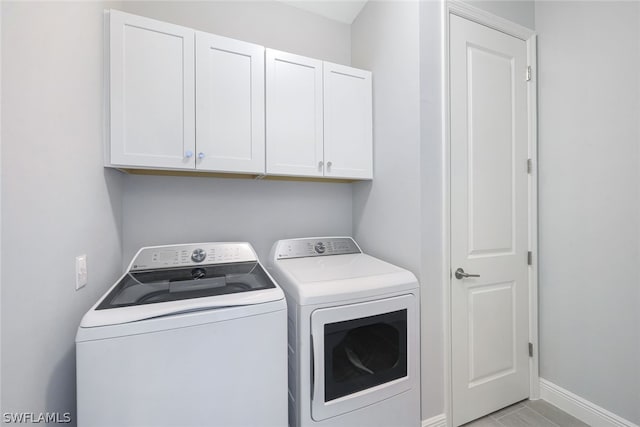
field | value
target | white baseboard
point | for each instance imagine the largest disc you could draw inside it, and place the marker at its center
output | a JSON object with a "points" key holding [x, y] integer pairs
{"points": [[580, 408], [437, 421]]}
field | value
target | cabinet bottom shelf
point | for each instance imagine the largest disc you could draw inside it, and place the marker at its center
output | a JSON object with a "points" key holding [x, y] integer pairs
{"points": [[162, 172]]}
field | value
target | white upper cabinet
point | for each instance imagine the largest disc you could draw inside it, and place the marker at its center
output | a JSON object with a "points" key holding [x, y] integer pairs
{"points": [[348, 148], [152, 118], [229, 105], [318, 118], [181, 99], [294, 115]]}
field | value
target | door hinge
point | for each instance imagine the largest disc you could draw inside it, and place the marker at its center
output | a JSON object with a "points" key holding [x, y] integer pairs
{"points": [[529, 258], [529, 165], [529, 73], [530, 349]]}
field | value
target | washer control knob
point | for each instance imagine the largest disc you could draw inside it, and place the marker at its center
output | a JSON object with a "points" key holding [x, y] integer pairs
{"points": [[198, 255], [319, 247]]}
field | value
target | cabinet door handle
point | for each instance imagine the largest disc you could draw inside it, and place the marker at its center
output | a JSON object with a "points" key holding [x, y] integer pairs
{"points": [[188, 154], [329, 165], [320, 164], [201, 155]]}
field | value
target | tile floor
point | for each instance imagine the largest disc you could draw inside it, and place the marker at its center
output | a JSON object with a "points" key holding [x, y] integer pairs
{"points": [[528, 413]]}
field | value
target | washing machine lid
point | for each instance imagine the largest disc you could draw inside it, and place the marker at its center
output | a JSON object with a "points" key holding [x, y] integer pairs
{"points": [[167, 280], [336, 274], [176, 284]]}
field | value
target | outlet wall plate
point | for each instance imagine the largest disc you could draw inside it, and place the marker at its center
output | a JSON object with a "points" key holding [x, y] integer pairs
{"points": [[81, 271]]}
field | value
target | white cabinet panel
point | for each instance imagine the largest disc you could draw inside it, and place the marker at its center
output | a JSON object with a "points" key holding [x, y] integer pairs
{"points": [[294, 115], [319, 120], [151, 92], [183, 99], [348, 146], [229, 105]]}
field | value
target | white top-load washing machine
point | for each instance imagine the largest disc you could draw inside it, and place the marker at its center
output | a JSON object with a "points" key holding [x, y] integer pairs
{"points": [[190, 335], [353, 329]]}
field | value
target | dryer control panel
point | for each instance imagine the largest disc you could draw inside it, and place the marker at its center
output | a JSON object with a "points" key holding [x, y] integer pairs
{"points": [[192, 255], [312, 247]]}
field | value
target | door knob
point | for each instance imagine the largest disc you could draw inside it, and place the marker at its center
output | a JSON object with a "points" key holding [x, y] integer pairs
{"points": [[460, 274]]}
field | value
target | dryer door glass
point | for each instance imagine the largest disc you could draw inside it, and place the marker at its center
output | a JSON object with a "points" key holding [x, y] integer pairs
{"points": [[154, 286], [363, 353]]}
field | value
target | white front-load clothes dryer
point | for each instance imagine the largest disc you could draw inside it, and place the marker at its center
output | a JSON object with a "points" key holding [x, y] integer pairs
{"points": [[191, 335], [353, 332]]}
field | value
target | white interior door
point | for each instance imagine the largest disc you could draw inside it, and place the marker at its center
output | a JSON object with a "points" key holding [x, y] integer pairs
{"points": [[489, 219], [229, 105]]}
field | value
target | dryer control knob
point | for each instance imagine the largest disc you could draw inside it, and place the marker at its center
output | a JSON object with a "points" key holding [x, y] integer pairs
{"points": [[198, 255], [319, 247]]}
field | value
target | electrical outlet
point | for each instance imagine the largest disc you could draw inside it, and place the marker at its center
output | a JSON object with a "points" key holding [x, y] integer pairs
{"points": [[81, 271]]}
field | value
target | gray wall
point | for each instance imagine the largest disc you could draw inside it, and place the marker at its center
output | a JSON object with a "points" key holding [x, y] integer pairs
{"points": [[57, 197], [519, 11], [386, 211], [386, 217], [57, 200], [400, 216], [161, 210], [0, 207], [269, 23], [589, 110], [165, 210]]}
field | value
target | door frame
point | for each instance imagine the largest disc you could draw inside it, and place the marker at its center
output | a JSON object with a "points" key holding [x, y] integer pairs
{"points": [[471, 13]]}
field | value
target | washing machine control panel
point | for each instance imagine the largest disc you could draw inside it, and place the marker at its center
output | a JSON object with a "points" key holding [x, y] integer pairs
{"points": [[312, 247], [192, 254]]}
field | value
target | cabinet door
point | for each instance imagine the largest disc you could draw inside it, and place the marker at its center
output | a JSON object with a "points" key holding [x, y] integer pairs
{"points": [[348, 148], [294, 115], [152, 93], [229, 105]]}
